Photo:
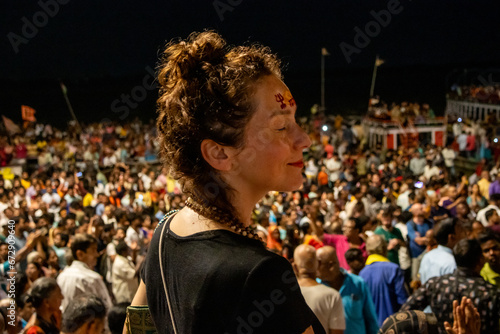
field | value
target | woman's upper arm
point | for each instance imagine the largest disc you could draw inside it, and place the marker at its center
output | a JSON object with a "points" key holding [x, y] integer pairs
{"points": [[309, 330]]}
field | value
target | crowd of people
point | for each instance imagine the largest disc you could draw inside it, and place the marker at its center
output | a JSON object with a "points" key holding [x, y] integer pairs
{"points": [[387, 230], [404, 112], [482, 94]]}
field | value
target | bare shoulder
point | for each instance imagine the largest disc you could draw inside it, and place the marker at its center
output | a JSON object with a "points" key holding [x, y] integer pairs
{"points": [[187, 222]]}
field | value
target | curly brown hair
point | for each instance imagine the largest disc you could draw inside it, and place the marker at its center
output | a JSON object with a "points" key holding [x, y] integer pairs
{"points": [[205, 93]]}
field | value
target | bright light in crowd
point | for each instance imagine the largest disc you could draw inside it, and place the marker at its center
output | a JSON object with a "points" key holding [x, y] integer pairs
{"points": [[459, 119], [325, 128], [495, 140]]}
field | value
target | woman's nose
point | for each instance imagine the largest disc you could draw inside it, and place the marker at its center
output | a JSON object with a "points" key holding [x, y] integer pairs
{"points": [[302, 141]]}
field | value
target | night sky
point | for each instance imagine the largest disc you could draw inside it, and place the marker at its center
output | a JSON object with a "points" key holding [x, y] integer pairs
{"points": [[103, 49]]}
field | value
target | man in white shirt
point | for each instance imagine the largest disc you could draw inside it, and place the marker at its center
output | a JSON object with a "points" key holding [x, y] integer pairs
{"points": [[134, 231], [324, 301], [333, 165], [462, 143], [417, 164], [449, 158], [403, 200], [51, 197], [124, 280], [80, 278]]}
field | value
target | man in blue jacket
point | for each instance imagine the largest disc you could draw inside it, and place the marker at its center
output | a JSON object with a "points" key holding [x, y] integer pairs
{"points": [[384, 279]]}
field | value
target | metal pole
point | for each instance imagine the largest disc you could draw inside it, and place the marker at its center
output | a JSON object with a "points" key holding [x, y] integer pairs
{"points": [[322, 81], [374, 76], [63, 88]]}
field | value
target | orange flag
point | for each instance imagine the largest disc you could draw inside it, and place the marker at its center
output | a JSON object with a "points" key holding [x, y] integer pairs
{"points": [[28, 114]]}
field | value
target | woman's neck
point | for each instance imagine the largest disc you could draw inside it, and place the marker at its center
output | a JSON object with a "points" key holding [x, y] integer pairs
{"points": [[45, 314], [244, 205]]}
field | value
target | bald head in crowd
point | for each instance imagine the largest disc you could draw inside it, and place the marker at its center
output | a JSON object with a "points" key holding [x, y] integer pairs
{"points": [[376, 244], [417, 210], [304, 260], [328, 263]]}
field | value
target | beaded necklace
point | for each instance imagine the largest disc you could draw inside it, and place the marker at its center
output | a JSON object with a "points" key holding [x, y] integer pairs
{"points": [[222, 217]]}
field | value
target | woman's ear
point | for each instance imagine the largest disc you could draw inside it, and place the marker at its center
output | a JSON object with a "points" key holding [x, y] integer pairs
{"points": [[216, 155]]}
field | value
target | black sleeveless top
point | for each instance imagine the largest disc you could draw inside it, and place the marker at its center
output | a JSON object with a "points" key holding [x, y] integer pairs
{"points": [[222, 282]]}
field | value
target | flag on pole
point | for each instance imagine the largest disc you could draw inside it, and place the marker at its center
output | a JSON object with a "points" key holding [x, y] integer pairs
{"points": [[324, 52], [64, 89], [28, 114], [11, 127], [379, 61]]}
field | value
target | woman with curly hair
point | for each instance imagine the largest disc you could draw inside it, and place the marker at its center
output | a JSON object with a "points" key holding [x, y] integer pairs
{"points": [[227, 132]]}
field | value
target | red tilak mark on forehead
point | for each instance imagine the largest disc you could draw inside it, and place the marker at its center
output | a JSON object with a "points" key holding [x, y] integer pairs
{"points": [[280, 99]]}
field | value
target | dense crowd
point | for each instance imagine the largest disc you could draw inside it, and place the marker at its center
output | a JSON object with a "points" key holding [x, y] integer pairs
{"points": [[404, 112], [389, 228], [483, 94]]}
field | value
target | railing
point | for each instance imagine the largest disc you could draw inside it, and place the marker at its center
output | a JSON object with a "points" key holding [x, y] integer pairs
{"points": [[471, 110], [394, 124]]}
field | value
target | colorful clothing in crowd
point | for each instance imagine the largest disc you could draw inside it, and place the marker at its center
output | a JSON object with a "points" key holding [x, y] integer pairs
{"points": [[440, 292], [386, 283]]}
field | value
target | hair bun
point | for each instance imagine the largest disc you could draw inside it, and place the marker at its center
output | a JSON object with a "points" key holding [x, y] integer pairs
{"points": [[199, 53]]}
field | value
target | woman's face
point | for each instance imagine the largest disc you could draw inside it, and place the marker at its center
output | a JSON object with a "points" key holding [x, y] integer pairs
{"points": [[276, 234], [55, 299], [271, 158], [349, 229], [32, 272], [53, 259]]}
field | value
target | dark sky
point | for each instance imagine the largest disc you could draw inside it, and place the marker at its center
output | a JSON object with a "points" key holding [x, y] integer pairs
{"points": [[101, 49]]}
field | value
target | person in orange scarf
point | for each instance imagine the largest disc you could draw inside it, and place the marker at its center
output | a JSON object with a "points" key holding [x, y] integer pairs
{"points": [[274, 243]]}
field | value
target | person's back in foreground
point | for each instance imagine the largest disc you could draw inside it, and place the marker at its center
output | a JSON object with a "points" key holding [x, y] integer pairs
{"points": [[227, 131], [324, 301], [440, 292]]}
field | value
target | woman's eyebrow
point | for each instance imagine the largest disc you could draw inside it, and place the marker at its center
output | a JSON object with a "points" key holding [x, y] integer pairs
{"points": [[279, 112]]}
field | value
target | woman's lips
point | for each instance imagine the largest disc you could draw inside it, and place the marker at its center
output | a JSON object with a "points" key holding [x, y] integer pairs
{"points": [[298, 164]]}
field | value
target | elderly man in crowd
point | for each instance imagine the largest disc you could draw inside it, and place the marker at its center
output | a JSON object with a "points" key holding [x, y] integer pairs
{"points": [[324, 301], [384, 279], [359, 311]]}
